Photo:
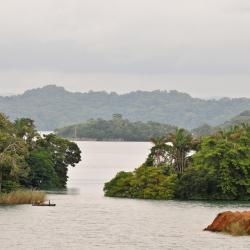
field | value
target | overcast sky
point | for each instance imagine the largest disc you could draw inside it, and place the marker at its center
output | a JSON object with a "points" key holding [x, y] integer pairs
{"points": [[197, 46]]}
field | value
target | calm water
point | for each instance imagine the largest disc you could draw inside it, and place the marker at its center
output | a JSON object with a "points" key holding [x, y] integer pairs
{"points": [[84, 219]]}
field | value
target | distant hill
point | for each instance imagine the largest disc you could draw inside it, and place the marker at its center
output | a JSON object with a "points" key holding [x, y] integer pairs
{"points": [[243, 117], [116, 129], [54, 107], [205, 129]]}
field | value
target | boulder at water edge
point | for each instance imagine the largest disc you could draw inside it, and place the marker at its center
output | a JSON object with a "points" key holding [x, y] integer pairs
{"points": [[234, 223]]}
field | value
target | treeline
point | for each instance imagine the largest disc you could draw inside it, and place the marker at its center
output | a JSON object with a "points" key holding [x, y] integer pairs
{"points": [[215, 167], [28, 160], [125, 130], [115, 129], [54, 107]]}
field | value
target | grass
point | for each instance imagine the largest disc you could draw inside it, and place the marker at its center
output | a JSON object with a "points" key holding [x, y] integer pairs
{"points": [[22, 197]]}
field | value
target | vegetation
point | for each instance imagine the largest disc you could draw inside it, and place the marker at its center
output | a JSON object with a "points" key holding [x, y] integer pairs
{"points": [[28, 160], [53, 107], [205, 129], [144, 182], [115, 129], [22, 197], [218, 168]]}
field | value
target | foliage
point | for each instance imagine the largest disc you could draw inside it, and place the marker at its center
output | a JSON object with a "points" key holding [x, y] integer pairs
{"points": [[173, 150], [53, 107], [42, 173], [144, 183], [218, 169], [29, 160], [221, 169], [115, 129], [63, 153]]}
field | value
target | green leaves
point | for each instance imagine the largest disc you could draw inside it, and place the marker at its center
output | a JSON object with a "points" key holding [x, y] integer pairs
{"points": [[28, 160], [144, 183], [220, 169], [227, 157]]}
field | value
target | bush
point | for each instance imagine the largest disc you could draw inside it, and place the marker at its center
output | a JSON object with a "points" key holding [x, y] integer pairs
{"points": [[144, 183]]}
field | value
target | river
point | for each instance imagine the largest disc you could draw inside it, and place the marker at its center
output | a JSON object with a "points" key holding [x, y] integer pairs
{"points": [[85, 219]]}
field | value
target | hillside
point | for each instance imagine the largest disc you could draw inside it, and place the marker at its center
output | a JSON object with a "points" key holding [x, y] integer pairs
{"points": [[54, 107], [205, 129], [243, 117], [115, 129]]}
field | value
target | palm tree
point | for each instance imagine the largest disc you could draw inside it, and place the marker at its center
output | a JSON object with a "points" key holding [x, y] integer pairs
{"points": [[181, 144]]}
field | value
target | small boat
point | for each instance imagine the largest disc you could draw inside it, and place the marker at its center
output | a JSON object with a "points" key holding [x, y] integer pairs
{"points": [[44, 204]]}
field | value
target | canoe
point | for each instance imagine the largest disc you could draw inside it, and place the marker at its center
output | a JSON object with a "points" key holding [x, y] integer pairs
{"points": [[44, 205]]}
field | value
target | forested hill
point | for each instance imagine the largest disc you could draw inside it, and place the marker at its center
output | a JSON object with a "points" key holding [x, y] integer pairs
{"points": [[116, 129], [54, 107]]}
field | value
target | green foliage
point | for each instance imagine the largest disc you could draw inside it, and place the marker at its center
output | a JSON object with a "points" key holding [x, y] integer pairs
{"points": [[28, 160], [63, 153], [42, 172], [173, 150], [53, 107], [115, 129], [143, 183], [219, 169]]}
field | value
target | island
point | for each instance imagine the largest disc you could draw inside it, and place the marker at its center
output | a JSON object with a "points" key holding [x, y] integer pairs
{"points": [[116, 129], [181, 166]]}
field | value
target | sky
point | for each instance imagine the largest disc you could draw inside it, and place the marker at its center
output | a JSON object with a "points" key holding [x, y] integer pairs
{"points": [[201, 47]]}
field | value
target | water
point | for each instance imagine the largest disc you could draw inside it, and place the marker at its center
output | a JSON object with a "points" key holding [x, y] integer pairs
{"points": [[84, 219]]}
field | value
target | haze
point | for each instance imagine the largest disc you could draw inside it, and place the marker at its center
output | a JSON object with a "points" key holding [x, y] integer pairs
{"points": [[198, 46]]}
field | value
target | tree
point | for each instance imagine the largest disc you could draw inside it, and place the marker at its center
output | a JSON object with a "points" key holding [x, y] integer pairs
{"points": [[174, 150], [221, 168], [28, 160], [12, 157], [63, 153], [42, 173], [181, 144], [25, 128], [159, 153]]}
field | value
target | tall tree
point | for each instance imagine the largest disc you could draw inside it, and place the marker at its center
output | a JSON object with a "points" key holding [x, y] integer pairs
{"points": [[12, 152], [64, 153], [181, 144]]}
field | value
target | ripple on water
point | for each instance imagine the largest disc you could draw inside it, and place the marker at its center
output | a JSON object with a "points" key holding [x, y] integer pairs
{"points": [[87, 220]]}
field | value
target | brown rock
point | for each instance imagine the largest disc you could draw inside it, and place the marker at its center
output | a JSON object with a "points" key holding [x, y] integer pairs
{"points": [[234, 223]]}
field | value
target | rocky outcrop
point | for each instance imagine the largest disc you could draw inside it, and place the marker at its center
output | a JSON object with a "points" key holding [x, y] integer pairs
{"points": [[234, 223]]}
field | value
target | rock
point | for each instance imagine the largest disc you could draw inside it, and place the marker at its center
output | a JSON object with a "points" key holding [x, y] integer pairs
{"points": [[234, 223]]}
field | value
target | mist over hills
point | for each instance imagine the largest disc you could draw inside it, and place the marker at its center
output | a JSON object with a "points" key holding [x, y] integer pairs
{"points": [[54, 107]]}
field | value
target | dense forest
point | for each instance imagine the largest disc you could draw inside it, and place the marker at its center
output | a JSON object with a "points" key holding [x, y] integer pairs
{"points": [[28, 160], [123, 130], [54, 107], [215, 167], [116, 129]]}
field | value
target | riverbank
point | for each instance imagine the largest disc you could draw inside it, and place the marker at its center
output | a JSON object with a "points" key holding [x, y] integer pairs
{"points": [[22, 197]]}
